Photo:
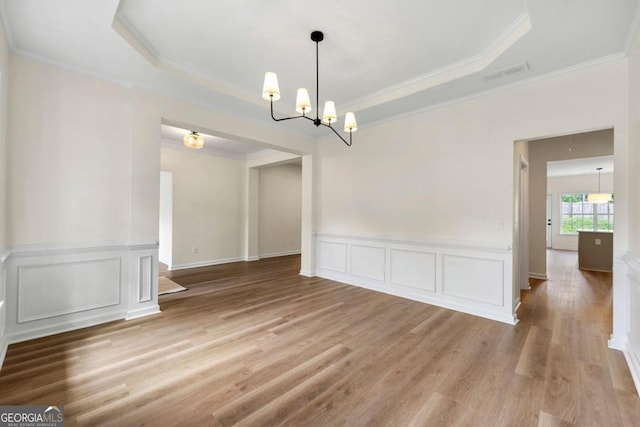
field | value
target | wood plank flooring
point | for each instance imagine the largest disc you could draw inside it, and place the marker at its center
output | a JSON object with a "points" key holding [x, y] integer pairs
{"points": [[256, 344]]}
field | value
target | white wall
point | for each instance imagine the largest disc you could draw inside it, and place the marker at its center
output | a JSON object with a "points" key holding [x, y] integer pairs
{"points": [[70, 175], [446, 175], [280, 197], [207, 207], [4, 101], [572, 184], [627, 299], [573, 146], [165, 232], [83, 194]]}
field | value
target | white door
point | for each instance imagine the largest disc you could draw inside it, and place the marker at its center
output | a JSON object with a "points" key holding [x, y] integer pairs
{"points": [[549, 225]]}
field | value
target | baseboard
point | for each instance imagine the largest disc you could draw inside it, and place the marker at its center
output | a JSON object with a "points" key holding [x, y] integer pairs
{"points": [[205, 263], [538, 276], [3, 353], [433, 300], [277, 254], [616, 343], [59, 328], [142, 312], [474, 279], [634, 366], [307, 273]]}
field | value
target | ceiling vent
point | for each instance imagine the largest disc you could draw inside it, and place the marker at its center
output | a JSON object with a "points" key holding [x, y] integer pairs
{"points": [[507, 71]]}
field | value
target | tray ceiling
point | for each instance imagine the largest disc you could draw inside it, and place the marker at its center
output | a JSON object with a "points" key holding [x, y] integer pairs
{"points": [[381, 59]]}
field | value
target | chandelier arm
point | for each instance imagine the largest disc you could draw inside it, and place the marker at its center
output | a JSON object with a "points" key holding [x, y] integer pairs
{"points": [[338, 135], [286, 118]]}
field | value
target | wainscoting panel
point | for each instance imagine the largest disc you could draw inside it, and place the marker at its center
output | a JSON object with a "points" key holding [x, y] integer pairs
{"points": [[51, 290], [472, 278], [469, 277], [368, 262], [631, 345], [56, 288], [332, 256], [413, 269], [4, 254], [145, 276]]}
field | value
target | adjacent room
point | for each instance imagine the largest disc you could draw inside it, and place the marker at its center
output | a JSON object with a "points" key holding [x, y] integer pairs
{"points": [[360, 213]]}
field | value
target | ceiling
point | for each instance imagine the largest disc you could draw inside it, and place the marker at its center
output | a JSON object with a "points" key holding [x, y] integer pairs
{"points": [[379, 59], [584, 166]]}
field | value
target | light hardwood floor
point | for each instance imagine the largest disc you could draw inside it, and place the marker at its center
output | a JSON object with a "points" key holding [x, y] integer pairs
{"points": [[257, 344]]}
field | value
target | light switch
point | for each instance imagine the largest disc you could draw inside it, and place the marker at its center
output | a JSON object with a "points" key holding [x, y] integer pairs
{"points": [[598, 242]]}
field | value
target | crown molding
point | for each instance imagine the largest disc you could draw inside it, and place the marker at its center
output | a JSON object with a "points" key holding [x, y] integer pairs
{"points": [[568, 70], [473, 64], [128, 32], [8, 33], [633, 30]]}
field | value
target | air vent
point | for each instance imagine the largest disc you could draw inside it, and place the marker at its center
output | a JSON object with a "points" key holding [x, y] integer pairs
{"points": [[507, 71]]}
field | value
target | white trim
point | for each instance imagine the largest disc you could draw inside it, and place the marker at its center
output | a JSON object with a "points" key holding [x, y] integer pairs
{"points": [[142, 312], [451, 244], [306, 273], [80, 247], [626, 342], [3, 353], [277, 254], [61, 327], [450, 72], [446, 287], [8, 33], [126, 278], [433, 300], [552, 74], [538, 276], [633, 30], [4, 254], [206, 263]]}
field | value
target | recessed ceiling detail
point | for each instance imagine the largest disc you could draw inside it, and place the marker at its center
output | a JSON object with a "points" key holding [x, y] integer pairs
{"points": [[465, 66], [379, 59]]}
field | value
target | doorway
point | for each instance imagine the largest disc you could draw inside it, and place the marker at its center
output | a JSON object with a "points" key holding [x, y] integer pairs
{"points": [[549, 222]]}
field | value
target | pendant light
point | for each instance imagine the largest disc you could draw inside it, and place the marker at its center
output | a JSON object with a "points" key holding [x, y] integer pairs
{"points": [[599, 197], [271, 92]]}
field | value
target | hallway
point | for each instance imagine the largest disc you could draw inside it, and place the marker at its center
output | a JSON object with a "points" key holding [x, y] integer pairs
{"points": [[569, 319]]}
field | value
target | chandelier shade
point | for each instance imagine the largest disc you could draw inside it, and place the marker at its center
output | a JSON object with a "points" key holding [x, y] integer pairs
{"points": [[271, 92], [193, 140], [329, 113], [303, 102]]}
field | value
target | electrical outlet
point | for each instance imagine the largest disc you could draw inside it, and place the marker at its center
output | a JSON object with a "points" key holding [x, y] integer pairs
{"points": [[194, 250], [598, 242]]}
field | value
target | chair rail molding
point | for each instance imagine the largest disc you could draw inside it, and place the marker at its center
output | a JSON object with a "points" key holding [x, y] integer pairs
{"points": [[471, 277], [53, 288]]}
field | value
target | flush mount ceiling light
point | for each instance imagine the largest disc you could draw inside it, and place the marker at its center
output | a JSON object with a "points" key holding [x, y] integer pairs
{"points": [[599, 197], [193, 140], [271, 92]]}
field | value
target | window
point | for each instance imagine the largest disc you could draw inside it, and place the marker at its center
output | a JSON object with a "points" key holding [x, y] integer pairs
{"points": [[578, 214]]}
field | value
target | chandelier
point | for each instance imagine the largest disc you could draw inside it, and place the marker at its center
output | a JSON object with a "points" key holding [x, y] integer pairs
{"points": [[271, 92]]}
